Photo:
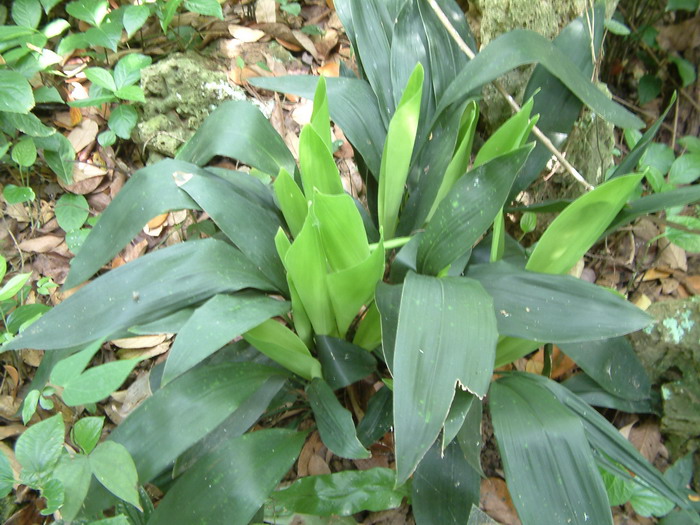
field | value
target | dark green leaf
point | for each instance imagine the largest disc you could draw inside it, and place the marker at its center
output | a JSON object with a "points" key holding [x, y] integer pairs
{"points": [[232, 482], [251, 227], [148, 193], [373, 46], [606, 439], [218, 321], [353, 106], [467, 211], [240, 421], [544, 451], [388, 301], [39, 447], [594, 394], [342, 493], [557, 107], [555, 308], [173, 419], [461, 404], [613, 364], [148, 288], [649, 88], [252, 140], [335, 424], [686, 5], [377, 420], [444, 487], [520, 47], [343, 363], [113, 467], [630, 162], [469, 436], [446, 337]]}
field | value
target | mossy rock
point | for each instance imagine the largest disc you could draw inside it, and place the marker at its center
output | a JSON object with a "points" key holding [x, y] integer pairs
{"points": [[670, 351], [180, 93]]}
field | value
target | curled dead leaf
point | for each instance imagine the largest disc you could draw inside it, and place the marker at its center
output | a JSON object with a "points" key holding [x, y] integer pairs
{"points": [[143, 341], [43, 244]]}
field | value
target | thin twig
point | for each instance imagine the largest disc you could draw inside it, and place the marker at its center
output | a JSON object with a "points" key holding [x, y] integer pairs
{"points": [[513, 104]]}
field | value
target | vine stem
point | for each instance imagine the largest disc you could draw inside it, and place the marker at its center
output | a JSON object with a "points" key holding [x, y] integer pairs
{"points": [[511, 101]]}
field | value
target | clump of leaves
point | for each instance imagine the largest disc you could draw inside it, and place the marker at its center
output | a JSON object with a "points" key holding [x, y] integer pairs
{"points": [[423, 290]]}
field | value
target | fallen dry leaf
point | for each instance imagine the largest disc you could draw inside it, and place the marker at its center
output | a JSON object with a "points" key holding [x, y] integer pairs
{"points": [[245, 34], [142, 341], [42, 244], [496, 502], [330, 69], [672, 256], [646, 438], [306, 42], [134, 395], [7, 431], [83, 134], [14, 379], [31, 357], [143, 353], [9, 405], [265, 11], [653, 274], [680, 37]]}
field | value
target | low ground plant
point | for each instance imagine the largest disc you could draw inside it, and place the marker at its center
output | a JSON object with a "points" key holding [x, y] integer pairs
{"points": [[303, 291]]}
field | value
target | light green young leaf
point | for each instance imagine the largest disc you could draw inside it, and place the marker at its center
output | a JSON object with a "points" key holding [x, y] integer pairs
{"points": [[71, 211], [134, 18], [128, 69], [90, 11], [133, 93], [86, 433], [398, 149], [685, 169], [283, 346], [690, 242], [306, 266], [320, 117], [341, 230], [508, 137], [7, 478], [71, 367], [114, 468], [580, 225], [98, 382], [462, 155], [26, 13], [75, 475], [101, 77], [24, 152], [13, 286], [18, 194], [30, 404], [446, 336], [354, 287], [617, 28], [52, 491], [291, 201], [318, 169], [39, 447], [647, 502], [122, 120], [205, 8], [335, 425]]}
